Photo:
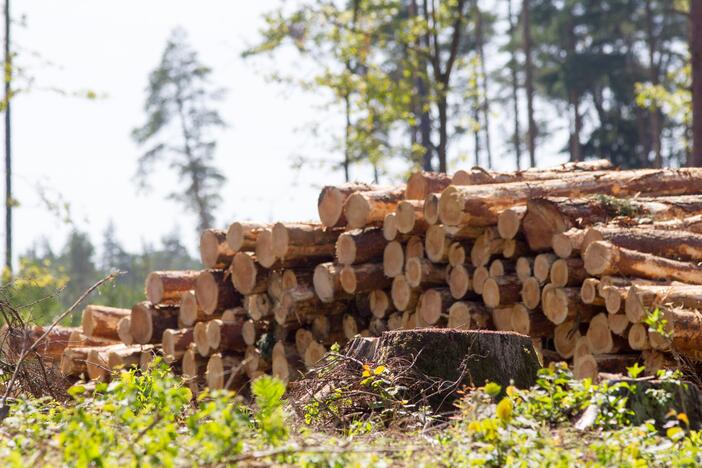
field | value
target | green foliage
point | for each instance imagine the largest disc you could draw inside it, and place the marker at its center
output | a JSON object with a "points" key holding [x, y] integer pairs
{"points": [[657, 323], [617, 206], [268, 392]]}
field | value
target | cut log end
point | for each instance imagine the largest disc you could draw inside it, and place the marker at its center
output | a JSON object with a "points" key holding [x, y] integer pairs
{"points": [[393, 259], [562, 245], [531, 293], [638, 337], [401, 293], [201, 340], [456, 254], [524, 268], [491, 293], [347, 277], [264, 249], [612, 298], [345, 249], [459, 316], [480, 276], [124, 330], [212, 243], [588, 290], [565, 337], [140, 324], [154, 289], [509, 222], [356, 210], [324, 283], [244, 273], [599, 336], [430, 306], [542, 266], [431, 209], [598, 258], [459, 281], [213, 333], [585, 367], [451, 206], [435, 243], [390, 227], [379, 303], [405, 217]]}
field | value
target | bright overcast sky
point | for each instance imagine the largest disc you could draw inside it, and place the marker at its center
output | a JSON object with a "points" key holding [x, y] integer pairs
{"points": [[81, 150]]}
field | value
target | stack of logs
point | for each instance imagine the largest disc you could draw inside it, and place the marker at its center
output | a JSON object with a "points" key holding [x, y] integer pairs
{"points": [[598, 266]]}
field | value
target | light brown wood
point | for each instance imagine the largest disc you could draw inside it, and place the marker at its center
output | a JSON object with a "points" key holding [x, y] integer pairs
{"points": [[503, 291], [565, 336], [421, 183], [514, 248], [561, 304], [480, 276], [190, 312], [680, 245], [327, 281], [393, 259], [225, 336], [264, 249], [486, 246], [202, 343], [530, 322], [509, 222], [619, 324], [638, 337], [642, 299], [241, 236], [78, 340], [303, 338], [431, 208], [524, 267], [459, 316], [683, 333], [294, 243], [224, 372], [531, 293], [258, 306], [360, 246], [414, 248], [167, 287], [403, 296], [124, 330], [369, 208], [614, 298], [599, 337], [215, 292], [380, 304], [102, 321], [148, 322], [314, 353], [589, 292], [433, 304], [215, 251], [420, 271], [363, 278], [456, 254], [568, 272], [176, 341], [568, 243], [73, 360], [501, 267], [410, 217], [582, 348], [300, 306], [330, 204], [604, 258], [194, 367], [542, 266], [126, 357], [502, 318], [247, 276], [390, 231], [459, 281]]}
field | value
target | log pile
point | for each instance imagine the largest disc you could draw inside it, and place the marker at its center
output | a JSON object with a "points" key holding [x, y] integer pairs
{"points": [[575, 257]]}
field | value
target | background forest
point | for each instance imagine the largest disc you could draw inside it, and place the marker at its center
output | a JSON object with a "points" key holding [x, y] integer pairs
{"points": [[406, 84]]}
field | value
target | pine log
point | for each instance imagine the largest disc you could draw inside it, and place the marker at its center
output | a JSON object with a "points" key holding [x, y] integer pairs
{"points": [[124, 330], [565, 336], [175, 342], [303, 242], [395, 321], [619, 324], [638, 337], [78, 340], [669, 244], [252, 330], [599, 337], [148, 322], [438, 239], [286, 363], [582, 348], [499, 267], [303, 338], [264, 249], [390, 231], [689, 224], [360, 246], [420, 271], [202, 343], [327, 281], [433, 303], [509, 222], [591, 365], [682, 333], [480, 276], [403, 296], [301, 306], [642, 299], [101, 321], [215, 251], [479, 176], [194, 367], [73, 361], [614, 297], [190, 312], [97, 364], [224, 372], [561, 304], [291, 279], [485, 246], [369, 208], [248, 277], [364, 278], [377, 326], [524, 267], [126, 357], [313, 354], [568, 272], [414, 248], [431, 209], [329, 329], [459, 282], [530, 322], [225, 336], [589, 292], [456, 254], [241, 237], [459, 316], [549, 216], [420, 184], [503, 291], [330, 204], [258, 306], [380, 304], [542, 266], [604, 258], [531, 293], [514, 248], [393, 259], [215, 292], [167, 287], [568, 243], [502, 318]]}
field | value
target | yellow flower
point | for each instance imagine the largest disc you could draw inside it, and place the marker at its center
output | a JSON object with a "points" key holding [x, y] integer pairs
{"points": [[474, 426], [504, 409], [379, 370], [683, 417], [366, 371]]}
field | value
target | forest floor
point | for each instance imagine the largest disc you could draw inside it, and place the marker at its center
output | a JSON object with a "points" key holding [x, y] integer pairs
{"points": [[151, 419]]}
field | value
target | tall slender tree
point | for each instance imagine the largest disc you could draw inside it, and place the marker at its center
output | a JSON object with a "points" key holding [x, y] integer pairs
{"points": [[696, 59], [9, 201], [179, 103], [529, 83], [514, 82]]}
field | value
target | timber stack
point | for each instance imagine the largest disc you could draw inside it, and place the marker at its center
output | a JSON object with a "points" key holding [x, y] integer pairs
{"points": [[600, 267]]}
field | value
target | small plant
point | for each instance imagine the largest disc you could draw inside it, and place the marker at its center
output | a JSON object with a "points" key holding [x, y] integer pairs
{"points": [[617, 206], [657, 323]]}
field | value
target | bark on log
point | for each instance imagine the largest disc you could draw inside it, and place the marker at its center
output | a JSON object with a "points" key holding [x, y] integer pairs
{"points": [[330, 203], [561, 304], [364, 278], [360, 246], [215, 292], [226, 336], [73, 361], [420, 271], [503, 291], [604, 258], [369, 208], [215, 251], [669, 244], [241, 237], [247, 276], [480, 176], [78, 340], [531, 322], [148, 322], [420, 184], [642, 299], [102, 321], [300, 306], [167, 287], [568, 272], [682, 333], [97, 362], [303, 242], [175, 342]]}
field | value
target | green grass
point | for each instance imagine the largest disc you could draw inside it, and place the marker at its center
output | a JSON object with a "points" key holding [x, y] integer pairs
{"points": [[150, 420]]}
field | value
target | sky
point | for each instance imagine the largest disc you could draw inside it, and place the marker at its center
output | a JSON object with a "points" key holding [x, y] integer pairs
{"points": [[78, 152]]}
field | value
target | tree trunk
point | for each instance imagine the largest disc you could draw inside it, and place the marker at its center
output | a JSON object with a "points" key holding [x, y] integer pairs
{"points": [[484, 81], [529, 82], [9, 201], [303, 240], [603, 258], [102, 321], [168, 287], [696, 61], [480, 205], [479, 176]]}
